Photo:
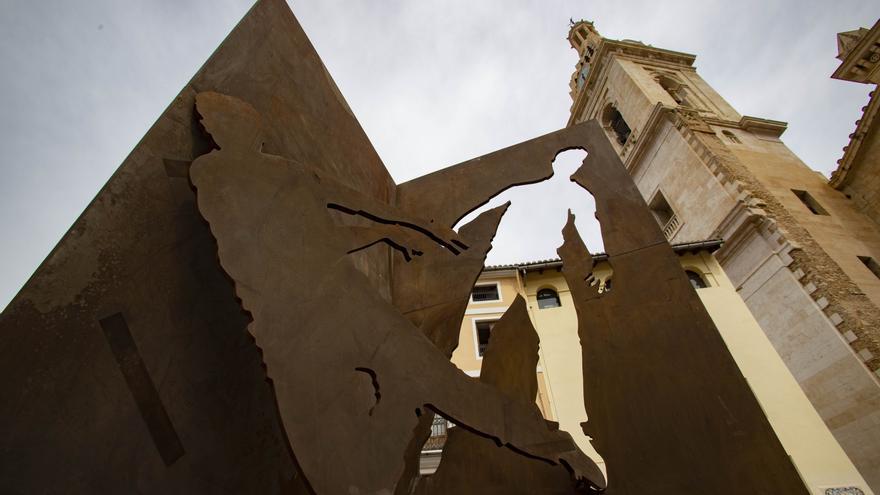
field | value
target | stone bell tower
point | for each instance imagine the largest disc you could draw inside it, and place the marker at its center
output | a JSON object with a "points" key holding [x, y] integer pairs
{"points": [[799, 252]]}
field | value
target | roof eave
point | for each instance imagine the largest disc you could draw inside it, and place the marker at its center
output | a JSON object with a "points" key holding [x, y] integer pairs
{"points": [[710, 245]]}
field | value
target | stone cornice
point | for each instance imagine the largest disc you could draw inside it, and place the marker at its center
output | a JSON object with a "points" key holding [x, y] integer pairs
{"points": [[758, 125], [649, 52], [862, 62], [863, 125]]}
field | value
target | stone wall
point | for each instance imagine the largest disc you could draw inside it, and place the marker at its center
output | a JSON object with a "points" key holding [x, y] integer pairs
{"points": [[821, 322]]}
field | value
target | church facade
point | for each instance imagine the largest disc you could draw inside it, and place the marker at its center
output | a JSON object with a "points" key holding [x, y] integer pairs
{"points": [[800, 252]]}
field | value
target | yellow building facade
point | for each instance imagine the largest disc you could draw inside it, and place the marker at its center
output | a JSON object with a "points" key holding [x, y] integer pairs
{"points": [[818, 457]]}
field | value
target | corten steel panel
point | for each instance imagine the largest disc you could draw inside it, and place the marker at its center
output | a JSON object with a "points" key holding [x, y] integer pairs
{"points": [[665, 399], [668, 408], [474, 465], [432, 291], [127, 366], [69, 422], [351, 373]]}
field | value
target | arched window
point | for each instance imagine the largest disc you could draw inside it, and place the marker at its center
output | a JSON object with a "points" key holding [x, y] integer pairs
{"points": [[731, 137], [613, 120], [548, 298], [696, 279]]}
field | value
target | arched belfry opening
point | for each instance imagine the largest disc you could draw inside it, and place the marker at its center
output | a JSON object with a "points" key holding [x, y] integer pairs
{"points": [[675, 88], [613, 122]]}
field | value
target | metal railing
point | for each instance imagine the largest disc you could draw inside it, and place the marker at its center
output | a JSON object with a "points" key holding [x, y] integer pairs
{"points": [[438, 434]]}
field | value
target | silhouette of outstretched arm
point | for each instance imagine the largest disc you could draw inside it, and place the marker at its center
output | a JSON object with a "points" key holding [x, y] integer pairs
{"points": [[350, 201], [446, 196], [404, 240]]}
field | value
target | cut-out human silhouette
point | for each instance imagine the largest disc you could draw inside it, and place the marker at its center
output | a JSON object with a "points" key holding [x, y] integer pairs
{"points": [[472, 465], [351, 374]]}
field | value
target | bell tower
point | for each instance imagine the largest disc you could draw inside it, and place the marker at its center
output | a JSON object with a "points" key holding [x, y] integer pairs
{"points": [[625, 83], [584, 38], [794, 247]]}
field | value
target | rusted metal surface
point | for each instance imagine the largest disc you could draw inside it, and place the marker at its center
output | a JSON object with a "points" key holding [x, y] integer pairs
{"points": [[68, 420], [472, 464], [142, 388], [668, 407], [353, 288], [351, 374], [432, 292]]}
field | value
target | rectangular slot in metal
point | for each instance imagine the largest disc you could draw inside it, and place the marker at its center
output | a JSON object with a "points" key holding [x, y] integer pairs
{"points": [[141, 387]]}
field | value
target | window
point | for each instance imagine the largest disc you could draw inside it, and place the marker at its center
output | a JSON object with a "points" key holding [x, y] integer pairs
{"points": [[696, 279], [675, 89], [548, 298], [582, 75], [664, 215], [485, 293], [872, 265], [484, 331], [613, 120], [618, 125], [810, 202], [731, 137], [660, 208]]}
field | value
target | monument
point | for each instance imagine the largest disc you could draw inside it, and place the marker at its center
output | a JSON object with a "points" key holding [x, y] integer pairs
{"points": [[252, 305]]}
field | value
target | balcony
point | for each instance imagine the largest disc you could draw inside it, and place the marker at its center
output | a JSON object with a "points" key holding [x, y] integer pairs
{"points": [[438, 436], [671, 227], [433, 448]]}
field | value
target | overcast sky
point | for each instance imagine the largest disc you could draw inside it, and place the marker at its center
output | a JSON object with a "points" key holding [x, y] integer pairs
{"points": [[433, 83]]}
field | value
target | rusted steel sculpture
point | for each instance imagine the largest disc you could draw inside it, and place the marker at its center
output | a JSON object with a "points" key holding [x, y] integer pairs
{"points": [[351, 375], [474, 465], [128, 365], [668, 408]]}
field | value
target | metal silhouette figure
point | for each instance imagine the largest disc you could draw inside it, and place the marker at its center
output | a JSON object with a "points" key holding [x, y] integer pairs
{"points": [[350, 373]]}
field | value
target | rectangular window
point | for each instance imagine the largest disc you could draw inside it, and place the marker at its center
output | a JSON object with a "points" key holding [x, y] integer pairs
{"points": [[872, 265], [810, 202], [487, 292], [484, 331]]}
